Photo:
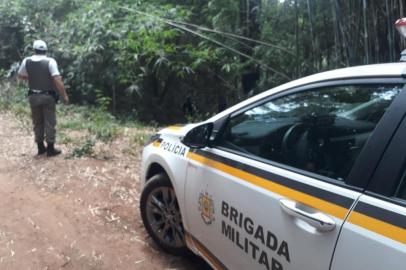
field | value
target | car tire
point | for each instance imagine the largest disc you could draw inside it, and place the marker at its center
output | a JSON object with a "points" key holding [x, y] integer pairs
{"points": [[161, 215]]}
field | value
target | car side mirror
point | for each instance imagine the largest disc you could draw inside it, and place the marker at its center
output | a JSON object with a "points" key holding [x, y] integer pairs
{"points": [[198, 137]]}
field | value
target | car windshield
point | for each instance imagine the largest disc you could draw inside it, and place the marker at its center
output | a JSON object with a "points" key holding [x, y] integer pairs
{"points": [[347, 103]]}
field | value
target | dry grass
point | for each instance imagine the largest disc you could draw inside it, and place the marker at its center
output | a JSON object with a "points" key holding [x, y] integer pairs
{"points": [[80, 213], [78, 210]]}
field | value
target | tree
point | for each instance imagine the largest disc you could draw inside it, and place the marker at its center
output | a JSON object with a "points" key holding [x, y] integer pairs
{"points": [[143, 58]]}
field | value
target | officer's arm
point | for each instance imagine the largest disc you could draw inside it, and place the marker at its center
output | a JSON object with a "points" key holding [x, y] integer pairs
{"points": [[22, 71], [61, 88]]}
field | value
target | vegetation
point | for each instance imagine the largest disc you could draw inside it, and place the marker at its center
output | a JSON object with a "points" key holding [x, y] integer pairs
{"points": [[81, 128], [145, 59]]}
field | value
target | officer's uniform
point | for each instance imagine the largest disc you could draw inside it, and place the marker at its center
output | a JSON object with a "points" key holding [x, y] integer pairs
{"points": [[40, 69]]}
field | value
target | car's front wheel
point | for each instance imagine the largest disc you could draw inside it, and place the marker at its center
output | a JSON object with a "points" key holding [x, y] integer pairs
{"points": [[161, 215]]}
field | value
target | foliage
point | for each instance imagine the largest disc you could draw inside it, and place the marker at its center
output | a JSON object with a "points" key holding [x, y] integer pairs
{"points": [[84, 150], [79, 127], [13, 98], [140, 138], [138, 60]]}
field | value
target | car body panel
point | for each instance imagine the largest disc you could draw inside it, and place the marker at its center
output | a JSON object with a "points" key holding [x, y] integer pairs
{"points": [[376, 229], [254, 190], [170, 154], [210, 179], [374, 237]]}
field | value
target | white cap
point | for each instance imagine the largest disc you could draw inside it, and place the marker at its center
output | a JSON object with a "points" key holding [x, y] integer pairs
{"points": [[40, 45]]}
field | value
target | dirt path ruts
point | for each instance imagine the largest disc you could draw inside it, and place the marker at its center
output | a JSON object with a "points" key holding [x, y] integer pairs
{"points": [[59, 213]]}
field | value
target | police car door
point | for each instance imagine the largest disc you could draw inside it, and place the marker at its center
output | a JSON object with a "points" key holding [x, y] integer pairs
{"points": [[272, 192], [374, 235]]}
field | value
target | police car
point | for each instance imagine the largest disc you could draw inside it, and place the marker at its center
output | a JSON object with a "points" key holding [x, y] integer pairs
{"points": [[308, 175]]}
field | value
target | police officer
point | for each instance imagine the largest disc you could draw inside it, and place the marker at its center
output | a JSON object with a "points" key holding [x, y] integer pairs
{"points": [[43, 77]]}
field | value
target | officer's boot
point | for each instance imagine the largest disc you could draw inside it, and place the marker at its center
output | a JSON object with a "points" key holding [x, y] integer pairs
{"points": [[52, 151], [41, 148]]}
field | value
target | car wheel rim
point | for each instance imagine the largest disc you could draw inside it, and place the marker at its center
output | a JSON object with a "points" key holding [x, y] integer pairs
{"points": [[164, 217]]}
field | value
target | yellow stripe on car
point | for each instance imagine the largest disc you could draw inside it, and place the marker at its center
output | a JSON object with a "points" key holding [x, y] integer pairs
{"points": [[156, 144], [204, 253], [175, 127], [325, 206], [378, 226]]}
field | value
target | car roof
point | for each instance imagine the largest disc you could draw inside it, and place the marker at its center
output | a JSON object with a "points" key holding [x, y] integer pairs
{"points": [[366, 71]]}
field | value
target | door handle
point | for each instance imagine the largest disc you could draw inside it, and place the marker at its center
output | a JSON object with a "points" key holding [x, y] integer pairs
{"points": [[319, 220]]}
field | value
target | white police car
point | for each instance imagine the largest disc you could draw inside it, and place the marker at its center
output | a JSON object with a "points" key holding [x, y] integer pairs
{"points": [[308, 175]]}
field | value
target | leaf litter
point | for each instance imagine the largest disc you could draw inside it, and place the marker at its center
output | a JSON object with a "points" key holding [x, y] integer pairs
{"points": [[102, 227]]}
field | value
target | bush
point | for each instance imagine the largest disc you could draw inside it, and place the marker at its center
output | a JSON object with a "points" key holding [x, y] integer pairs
{"points": [[84, 150], [120, 60]]}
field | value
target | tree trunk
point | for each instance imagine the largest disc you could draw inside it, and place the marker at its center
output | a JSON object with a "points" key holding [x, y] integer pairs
{"points": [[347, 47], [326, 44], [366, 44], [166, 88], [389, 29], [336, 34], [375, 31], [297, 71], [311, 34], [247, 17]]}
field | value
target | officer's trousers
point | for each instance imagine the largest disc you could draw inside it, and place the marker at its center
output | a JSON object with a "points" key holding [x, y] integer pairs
{"points": [[43, 117]]}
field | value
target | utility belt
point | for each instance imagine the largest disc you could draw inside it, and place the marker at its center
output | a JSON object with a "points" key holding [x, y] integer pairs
{"points": [[52, 93]]}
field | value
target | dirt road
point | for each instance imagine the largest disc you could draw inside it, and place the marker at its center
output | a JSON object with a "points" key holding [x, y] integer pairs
{"points": [[59, 213]]}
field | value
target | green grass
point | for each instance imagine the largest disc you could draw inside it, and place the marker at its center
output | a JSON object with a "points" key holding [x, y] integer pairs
{"points": [[71, 119], [94, 122], [84, 149], [141, 137]]}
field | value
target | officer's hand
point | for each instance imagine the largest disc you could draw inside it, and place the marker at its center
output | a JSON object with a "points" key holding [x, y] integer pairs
{"points": [[65, 99]]}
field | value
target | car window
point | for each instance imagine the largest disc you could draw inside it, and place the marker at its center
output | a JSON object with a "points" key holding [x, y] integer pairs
{"points": [[321, 131]]}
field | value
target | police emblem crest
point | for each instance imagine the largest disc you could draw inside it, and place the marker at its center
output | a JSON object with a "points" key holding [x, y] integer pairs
{"points": [[206, 208]]}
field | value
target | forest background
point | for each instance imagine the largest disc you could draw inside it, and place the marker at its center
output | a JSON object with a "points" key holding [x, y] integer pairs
{"points": [[152, 60]]}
